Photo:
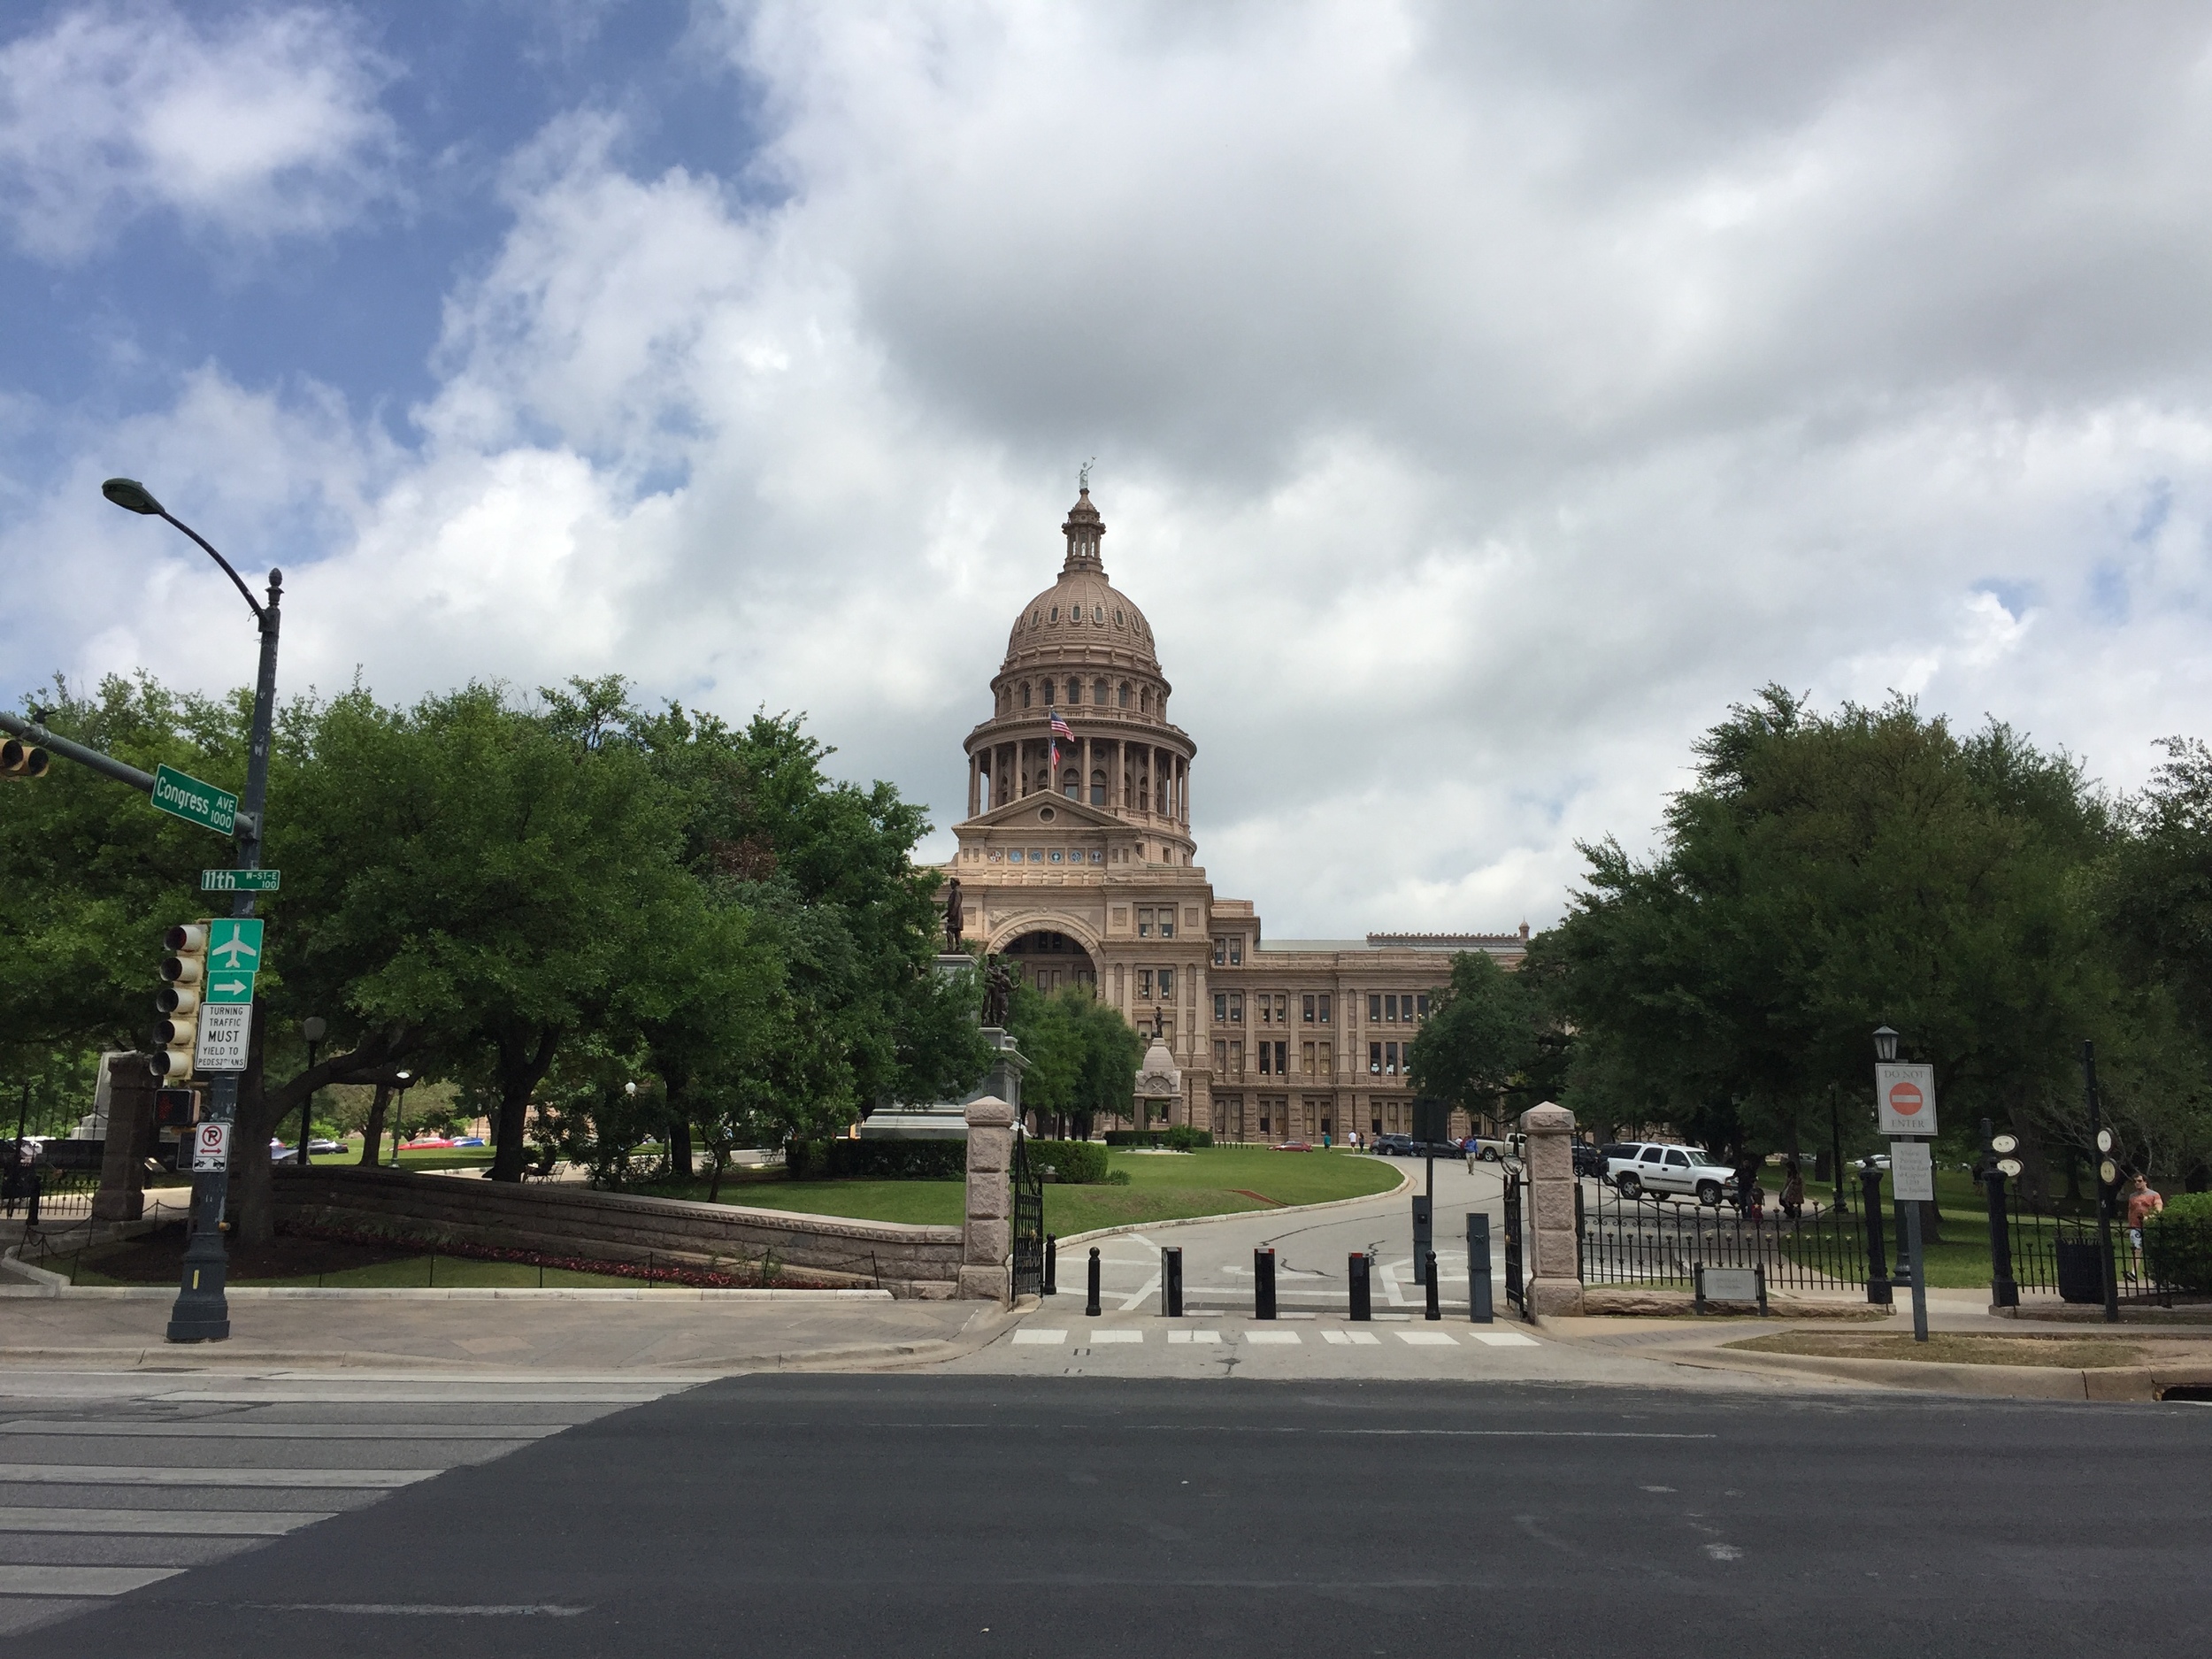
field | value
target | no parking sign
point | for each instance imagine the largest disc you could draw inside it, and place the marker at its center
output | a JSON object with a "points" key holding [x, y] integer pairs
{"points": [[1904, 1099], [211, 1147]]}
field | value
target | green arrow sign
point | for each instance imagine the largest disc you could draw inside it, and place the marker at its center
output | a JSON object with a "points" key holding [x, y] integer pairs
{"points": [[182, 795], [238, 882], [228, 987]]}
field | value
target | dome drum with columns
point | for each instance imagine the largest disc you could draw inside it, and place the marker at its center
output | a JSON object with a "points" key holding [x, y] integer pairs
{"points": [[1082, 870]]}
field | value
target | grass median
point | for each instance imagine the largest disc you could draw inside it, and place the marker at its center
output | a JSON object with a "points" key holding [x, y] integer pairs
{"points": [[1162, 1187]]}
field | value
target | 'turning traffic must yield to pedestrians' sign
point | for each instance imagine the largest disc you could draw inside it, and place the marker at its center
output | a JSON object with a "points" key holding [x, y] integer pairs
{"points": [[1904, 1099], [182, 795]]}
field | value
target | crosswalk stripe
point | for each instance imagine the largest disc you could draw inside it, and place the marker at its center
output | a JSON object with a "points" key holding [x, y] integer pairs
{"points": [[169, 1523], [221, 1430], [132, 1475], [81, 1580]]}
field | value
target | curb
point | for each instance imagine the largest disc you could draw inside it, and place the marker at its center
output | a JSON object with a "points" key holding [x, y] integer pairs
{"points": [[581, 1293], [2001, 1382], [1405, 1180]]}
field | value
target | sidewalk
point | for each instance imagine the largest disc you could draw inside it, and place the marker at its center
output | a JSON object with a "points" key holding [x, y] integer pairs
{"points": [[552, 1334]]}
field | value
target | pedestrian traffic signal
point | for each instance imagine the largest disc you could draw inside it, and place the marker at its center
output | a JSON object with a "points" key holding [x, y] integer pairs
{"points": [[184, 974], [19, 759]]}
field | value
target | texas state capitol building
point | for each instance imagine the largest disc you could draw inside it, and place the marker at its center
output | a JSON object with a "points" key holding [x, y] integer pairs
{"points": [[1084, 871]]}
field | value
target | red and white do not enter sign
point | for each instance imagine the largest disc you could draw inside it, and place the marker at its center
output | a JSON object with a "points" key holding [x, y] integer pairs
{"points": [[1905, 1099]]}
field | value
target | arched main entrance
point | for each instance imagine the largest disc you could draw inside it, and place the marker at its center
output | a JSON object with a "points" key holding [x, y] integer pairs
{"points": [[1049, 960]]}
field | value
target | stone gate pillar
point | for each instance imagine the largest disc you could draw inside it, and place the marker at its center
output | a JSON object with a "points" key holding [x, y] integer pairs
{"points": [[988, 1237], [1555, 1259], [129, 1091]]}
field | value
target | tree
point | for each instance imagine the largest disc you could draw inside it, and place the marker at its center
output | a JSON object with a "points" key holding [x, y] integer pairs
{"points": [[1479, 1039], [1083, 1057]]}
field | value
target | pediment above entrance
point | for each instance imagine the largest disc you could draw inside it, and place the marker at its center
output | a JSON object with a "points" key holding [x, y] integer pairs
{"points": [[1045, 811]]}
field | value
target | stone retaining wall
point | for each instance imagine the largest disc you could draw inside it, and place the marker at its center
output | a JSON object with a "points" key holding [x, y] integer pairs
{"points": [[909, 1262]]}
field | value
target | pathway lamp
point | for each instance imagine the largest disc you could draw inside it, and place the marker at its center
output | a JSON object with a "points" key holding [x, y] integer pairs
{"points": [[311, 1029], [201, 1311], [1885, 1044]]}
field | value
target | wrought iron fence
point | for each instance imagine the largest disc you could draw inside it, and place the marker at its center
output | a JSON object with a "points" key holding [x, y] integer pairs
{"points": [[1516, 1278], [1029, 1221], [1656, 1241], [2059, 1251]]}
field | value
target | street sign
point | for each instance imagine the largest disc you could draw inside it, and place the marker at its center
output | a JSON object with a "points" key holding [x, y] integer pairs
{"points": [[225, 1030], [227, 987], [1904, 1099], [182, 795], [1912, 1172], [211, 1147], [234, 942], [238, 881]]}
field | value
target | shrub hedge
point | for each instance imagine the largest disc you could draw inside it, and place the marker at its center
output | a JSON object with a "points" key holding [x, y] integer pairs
{"points": [[845, 1160], [2178, 1243], [1181, 1138], [1082, 1163]]}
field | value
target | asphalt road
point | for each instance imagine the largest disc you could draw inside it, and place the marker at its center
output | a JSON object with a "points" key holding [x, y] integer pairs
{"points": [[914, 1515]]}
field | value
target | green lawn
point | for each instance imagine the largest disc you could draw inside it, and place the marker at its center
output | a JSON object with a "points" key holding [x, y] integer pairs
{"points": [[1215, 1181]]}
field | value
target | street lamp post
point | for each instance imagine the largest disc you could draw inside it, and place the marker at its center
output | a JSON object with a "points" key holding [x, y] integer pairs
{"points": [[201, 1311], [1835, 1141], [1886, 1052], [399, 1112], [311, 1029]]}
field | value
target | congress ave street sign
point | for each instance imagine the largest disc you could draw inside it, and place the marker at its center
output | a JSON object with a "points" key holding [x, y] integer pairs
{"points": [[182, 795]]}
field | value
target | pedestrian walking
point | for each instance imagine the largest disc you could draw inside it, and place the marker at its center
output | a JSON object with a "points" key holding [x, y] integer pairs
{"points": [[2143, 1202], [1746, 1179]]}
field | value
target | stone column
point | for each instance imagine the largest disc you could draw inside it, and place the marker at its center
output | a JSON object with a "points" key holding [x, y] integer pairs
{"points": [[1555, 1262], [130, 1135], [975, 779], [987, 1241]]}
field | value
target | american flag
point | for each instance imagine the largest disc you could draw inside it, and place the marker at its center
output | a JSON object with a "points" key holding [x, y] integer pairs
{"points": [[1059, 730]]}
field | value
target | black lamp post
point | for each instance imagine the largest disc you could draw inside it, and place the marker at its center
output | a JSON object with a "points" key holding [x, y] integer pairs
{"points": [[1885, 1044], [311, 1029], [201, 1311]]}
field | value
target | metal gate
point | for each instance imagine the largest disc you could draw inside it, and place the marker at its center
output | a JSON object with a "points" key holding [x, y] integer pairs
{"points": [[1029, 1221], [1516, 1283]]}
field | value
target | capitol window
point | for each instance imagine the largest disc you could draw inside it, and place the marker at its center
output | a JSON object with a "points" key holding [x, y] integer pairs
{"points": [[1098, 613], [1047, 694], [1025, 693], [1374, 1007], [1117, 618], [1122, 698], [1167, 985], [1221, 1008], [1144, 984], [1325, 1008], [1098, 693], [1144, 923], [1055, 613]]}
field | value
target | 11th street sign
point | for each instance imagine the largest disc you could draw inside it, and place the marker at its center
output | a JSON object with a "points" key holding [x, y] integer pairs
{"points": [[182, 795], [238, 881]]}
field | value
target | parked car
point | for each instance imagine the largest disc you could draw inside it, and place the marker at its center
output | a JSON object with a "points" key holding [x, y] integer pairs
{"points": [[322, 1148], [1665, 1170], [1589, 1160], [1294, 1146], [1393, 1146]]}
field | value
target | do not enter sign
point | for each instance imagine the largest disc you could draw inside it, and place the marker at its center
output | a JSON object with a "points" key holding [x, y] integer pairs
{"points": [[1905, 1099]]}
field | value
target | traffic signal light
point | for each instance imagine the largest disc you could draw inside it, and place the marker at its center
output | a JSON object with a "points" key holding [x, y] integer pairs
{"points": [[19, 759], [184, 975]]}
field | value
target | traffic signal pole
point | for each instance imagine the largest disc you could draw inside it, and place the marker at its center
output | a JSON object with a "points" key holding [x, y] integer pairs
{"points": [[201, 1311]]}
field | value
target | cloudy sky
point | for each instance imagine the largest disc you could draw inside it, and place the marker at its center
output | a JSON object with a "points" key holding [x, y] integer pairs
{"points": [[1483, 398]]}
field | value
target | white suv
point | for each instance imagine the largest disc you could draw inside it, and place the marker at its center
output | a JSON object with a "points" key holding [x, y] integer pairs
{"points": [[1664, 1170]]}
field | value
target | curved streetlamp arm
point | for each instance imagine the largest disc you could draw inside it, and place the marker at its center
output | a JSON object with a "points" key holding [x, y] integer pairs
{"points": [[209, 549]]}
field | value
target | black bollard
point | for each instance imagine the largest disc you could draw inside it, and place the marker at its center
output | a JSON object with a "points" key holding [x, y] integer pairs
{"points": [[1877, 1286], [1052, 1265], [1434, 1311], [1362, 1308], [1478, 1268], [1091, 1308], [1263, 1284], [1171, 1282]]}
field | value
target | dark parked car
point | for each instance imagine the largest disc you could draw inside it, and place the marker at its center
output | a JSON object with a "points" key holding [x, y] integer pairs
{"points": [[1589, 1160], [1393, 1146]]}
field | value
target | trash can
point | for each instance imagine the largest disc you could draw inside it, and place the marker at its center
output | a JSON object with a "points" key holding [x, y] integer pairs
{"points": [[2080, 1271]]}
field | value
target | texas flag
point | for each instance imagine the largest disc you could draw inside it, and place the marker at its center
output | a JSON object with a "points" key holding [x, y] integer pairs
{"points": [[1059, 731]]}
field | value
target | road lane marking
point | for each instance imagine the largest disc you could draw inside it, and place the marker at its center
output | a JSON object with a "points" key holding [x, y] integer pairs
{"points": [[1505, 1339], [1264, 1337], [1193, 1336], [1098, 1337], [1428, 1339], [1040, 1337]]}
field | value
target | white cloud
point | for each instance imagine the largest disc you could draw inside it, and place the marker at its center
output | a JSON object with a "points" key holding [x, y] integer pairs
{"points": [[1482, 401], [266, 126]]}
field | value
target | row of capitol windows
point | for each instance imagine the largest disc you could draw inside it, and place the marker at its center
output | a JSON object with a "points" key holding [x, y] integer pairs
{"points": [[1050, 856], [1103, 692], [1150, 980], [1274, 1008]]}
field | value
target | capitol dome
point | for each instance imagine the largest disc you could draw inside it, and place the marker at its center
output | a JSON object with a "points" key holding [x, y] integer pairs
{"points": [[1082, 615]]}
